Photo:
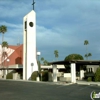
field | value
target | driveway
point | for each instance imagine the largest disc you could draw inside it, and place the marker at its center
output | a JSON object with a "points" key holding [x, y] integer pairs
{"points": [[20, 90]]}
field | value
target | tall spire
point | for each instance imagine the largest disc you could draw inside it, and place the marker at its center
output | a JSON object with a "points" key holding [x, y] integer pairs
{"points": [[33, 4]]}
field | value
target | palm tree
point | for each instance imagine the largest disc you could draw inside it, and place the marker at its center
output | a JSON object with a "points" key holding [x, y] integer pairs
{"points": [[89, 54], [4, 53], [4, 44], [86, 56], [3, 29], [45, 62], [56, 54], [86, 43], [42, 59]]}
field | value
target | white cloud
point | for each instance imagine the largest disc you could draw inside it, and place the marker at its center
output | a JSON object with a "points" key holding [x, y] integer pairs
{"points": [[14, 32], [51, 37], [10, 9], [11, 25], [62, 25]]}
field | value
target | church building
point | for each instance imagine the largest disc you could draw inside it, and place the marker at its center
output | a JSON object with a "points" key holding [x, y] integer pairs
{"points": [[14, 56]]}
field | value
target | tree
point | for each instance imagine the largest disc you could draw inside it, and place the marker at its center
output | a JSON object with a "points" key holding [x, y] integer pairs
{"points": [[97, 74], [86, 55], [45, 62], [4, 53], [3, 29], [4, 44], [73, 57], [56, 54], [86, 43], [89, 54], [42, 59]]}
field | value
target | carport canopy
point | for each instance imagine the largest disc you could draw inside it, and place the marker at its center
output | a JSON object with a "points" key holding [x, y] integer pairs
{"points": [[73, 64], [80, 62]]}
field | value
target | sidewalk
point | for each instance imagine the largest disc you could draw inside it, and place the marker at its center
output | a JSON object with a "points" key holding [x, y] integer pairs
{"points": [[87, 83], [80, 82]]}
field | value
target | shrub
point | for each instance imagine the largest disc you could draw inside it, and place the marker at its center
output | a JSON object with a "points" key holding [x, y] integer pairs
{"points": [[10, 75], [97, 75], [44, 75], [34, 75], [89, 79], [89, 74]]}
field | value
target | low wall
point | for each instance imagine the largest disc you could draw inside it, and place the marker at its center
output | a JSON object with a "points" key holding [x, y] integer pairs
{"points": [[65, 79], [16, 76], [67, 75]]}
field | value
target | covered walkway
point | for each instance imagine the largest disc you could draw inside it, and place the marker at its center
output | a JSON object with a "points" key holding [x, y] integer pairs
{"points": [[72, 64]]}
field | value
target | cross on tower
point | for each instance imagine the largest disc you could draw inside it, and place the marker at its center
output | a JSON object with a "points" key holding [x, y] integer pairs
{"points": [[33, 4]]}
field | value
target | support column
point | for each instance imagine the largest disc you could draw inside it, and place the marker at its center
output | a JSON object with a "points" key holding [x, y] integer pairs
{"points": [[54, 73], [5, 72], [57, 71], [81, 74], [73, 72]]}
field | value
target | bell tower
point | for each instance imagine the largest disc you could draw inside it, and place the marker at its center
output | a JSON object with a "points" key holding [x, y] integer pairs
{"points": [[29, 44]]}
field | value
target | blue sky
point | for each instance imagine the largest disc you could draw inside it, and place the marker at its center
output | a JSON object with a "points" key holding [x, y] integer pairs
{"points": [[62, 25]]}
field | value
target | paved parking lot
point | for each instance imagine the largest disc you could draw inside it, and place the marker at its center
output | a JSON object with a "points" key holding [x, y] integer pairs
{"points": [[18, 90]]}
